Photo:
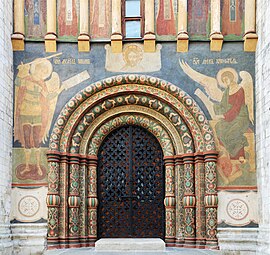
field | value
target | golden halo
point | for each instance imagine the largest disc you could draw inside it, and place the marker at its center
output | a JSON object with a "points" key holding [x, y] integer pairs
{"points": [[222, 71], [42, 64]]}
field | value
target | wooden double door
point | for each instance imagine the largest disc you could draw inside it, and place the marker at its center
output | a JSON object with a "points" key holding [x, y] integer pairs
{"points": [[131, 185]]}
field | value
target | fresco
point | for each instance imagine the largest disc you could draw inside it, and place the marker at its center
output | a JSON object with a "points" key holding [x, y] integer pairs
{"points": [[35, 18], [218, 82], [198, 19], [68, 18], [166, 19], [133, 59], [37, 87], [232, 13], [100, 19]]}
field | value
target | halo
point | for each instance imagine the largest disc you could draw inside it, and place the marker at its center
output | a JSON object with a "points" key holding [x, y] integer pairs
{"points": [[44, 64], [132, 47], [222, 71]]}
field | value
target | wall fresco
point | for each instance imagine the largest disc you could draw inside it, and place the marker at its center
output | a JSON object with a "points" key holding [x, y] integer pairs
{"points": [[68, 18], [166, 19], [100, 19], [35, 18], [198, 19], [232, 14], [214, 80]]}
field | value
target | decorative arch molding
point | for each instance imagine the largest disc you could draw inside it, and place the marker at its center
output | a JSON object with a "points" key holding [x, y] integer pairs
{"points": [[190, 159]]}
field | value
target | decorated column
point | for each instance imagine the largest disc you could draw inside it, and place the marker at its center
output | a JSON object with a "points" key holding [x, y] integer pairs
{"points": [[74, 200], [92, 199], [189, 201], [83, 202], [199, 193], [179, 195], [211, 199], [63, 208], [53, 199], [84, 37], [182, 37], [50, 37], [216, 37], [149, 36], [169, 200], [116, 38], [19, 33], [250, 37]]}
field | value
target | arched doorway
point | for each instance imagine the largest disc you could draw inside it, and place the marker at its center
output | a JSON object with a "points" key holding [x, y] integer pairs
{"points": [[187, 144], [130, 178]]}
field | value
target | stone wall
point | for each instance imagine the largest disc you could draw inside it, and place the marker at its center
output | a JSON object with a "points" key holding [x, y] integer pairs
{"points": [[263, 122], [6, 108]]}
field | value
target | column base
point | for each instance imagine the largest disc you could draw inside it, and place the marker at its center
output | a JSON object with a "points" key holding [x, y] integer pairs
{"points": [[182, 42], [116, 43], [50, 43], [84, 43], [149, 42], [17, 42], [250, 42], [216, 41]]}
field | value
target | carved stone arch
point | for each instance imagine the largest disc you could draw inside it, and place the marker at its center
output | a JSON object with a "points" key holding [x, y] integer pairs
{"points": [[191, 175]]}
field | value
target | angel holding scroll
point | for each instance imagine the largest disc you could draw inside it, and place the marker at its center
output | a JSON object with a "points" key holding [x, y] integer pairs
{"points": [[231, 104]]}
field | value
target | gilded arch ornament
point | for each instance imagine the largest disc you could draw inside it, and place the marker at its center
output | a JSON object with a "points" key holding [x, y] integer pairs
{"points": [[190, 197]]}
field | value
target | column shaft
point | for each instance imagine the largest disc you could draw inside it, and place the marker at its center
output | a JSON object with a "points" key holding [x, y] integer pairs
{"points": [[50, 38], [18, 34], [182, 37], [215, 36], [84, 38], [116, 38]]}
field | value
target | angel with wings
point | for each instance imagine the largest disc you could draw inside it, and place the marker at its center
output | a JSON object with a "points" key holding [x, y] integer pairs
{"points": [[231, 103], [37, 90]]}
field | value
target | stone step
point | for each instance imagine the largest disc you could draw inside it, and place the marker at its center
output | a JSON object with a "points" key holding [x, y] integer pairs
{"points": [[130, 244]]}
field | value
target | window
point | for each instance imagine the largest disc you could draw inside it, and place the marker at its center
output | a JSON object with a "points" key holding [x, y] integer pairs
{"points": [[133, 19]]}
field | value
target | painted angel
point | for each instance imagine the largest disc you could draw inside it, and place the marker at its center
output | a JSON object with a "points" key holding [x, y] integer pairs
{"points": [[232, 104]]}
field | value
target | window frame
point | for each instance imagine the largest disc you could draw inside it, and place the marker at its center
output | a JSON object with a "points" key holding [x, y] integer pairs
{"points": [[140, 18]]}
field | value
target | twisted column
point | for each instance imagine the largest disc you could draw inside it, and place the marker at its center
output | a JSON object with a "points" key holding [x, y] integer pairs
{"points": [[53, 198], [19, 33], [216, 37], [182, 37], [211, 199], [179, 195], [250, 36], [51, 36], [92, 198], [189, 201], [84, 37], [169, 200]]}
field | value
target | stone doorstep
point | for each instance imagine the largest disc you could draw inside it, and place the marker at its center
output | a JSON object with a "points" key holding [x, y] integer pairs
{"points": [[130, 244]]}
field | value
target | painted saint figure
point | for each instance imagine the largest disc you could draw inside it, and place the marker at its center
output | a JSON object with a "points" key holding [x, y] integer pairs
{"points": [[165, 18], [232, 110]]}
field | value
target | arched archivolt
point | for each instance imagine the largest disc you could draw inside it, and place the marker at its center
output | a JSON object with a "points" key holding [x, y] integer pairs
{"points": [[190, 161], [166, 135]]}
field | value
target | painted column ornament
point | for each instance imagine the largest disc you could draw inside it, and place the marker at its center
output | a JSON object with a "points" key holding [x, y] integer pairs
{"points": [[53, 198], [169, 200], [74, 200], [182, 37], [63, 208], [84, 37], [51, 36], [216, 37], [199, 193], [211, 199], [149, 36], [18, 35], [116, 37], [189, 201], [83, 202], [250, 36], [179, 195], [92, 199]]}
